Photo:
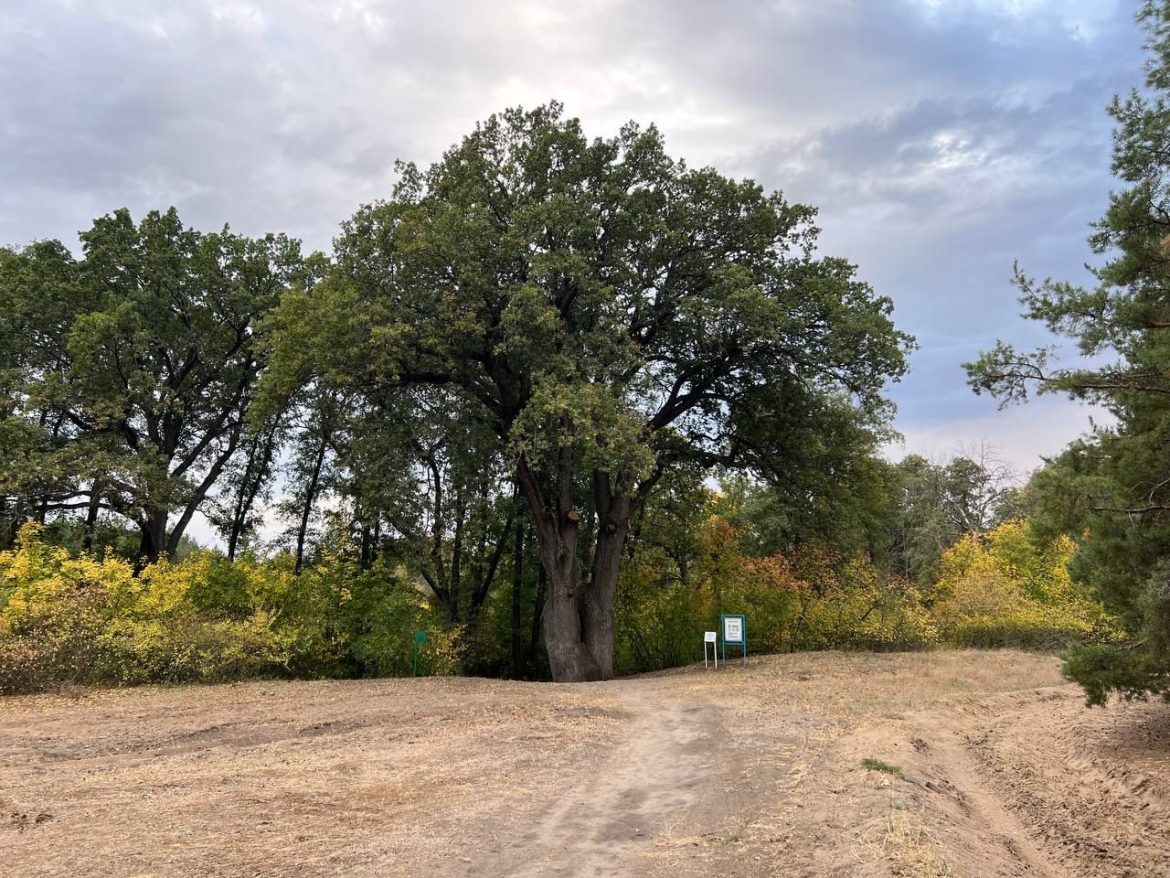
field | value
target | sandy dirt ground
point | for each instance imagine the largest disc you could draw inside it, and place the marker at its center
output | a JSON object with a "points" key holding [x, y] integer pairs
{"points": [[989, 765]]}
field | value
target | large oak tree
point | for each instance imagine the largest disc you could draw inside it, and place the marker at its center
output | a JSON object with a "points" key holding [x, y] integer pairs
{"points": [[609, 313]]}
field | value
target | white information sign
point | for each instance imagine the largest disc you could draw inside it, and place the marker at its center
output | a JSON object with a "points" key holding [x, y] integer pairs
{"points": [[709, 637], [732, 630]]}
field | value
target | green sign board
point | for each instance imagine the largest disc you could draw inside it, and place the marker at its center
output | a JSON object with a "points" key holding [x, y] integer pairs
{"points": [[734, 633]]}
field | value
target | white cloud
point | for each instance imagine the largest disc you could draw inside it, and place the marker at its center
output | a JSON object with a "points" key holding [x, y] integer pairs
{"points": [[1021, 436]]}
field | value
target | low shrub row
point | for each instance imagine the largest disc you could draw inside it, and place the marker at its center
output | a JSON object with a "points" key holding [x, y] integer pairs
{"points": [[1002, 588], [74, 619], [66, 619]]}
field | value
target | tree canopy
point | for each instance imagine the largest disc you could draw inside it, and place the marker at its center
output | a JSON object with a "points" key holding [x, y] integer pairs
{"points": [[607, 314], [132, 369]]}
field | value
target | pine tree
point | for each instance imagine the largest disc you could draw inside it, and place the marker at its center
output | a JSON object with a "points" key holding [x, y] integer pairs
{"points": [[1112, 490]]}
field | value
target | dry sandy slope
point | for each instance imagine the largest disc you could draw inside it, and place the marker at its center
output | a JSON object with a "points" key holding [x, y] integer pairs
{"points": [[1003, 772]]}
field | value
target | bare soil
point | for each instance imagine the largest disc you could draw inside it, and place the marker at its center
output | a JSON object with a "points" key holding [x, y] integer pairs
{"points": [[982, 764]]}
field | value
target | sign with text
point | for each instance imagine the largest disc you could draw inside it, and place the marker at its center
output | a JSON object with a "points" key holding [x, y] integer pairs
{"points": [[734, 634], [733, 629], [710, 637]]}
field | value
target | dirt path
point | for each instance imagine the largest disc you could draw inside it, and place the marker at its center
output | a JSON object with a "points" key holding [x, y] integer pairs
{"points": [[993, 769], [658, 777]]}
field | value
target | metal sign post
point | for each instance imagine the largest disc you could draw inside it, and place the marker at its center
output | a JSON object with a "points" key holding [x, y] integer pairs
{"points": [[735, 633], [709, 637]]}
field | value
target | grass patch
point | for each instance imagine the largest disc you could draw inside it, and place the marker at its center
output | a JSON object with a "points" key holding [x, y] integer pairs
{"points": [[878, 765], [912, 851]]}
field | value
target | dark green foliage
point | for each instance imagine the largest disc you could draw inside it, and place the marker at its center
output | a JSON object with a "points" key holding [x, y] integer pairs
{"points": [[1104, 670], [592, 314], [130, 377], [851, 509]]}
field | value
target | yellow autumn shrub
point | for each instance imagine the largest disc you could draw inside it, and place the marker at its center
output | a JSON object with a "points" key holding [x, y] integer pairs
{"points": [[1006, 588], [808, 599], [84, 620]]}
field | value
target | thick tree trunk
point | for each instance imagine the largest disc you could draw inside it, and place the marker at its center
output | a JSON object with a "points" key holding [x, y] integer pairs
{"points": [[599, 598], [154, 538], [564, 635], [613, 526], [578, 614], [556, 535]]}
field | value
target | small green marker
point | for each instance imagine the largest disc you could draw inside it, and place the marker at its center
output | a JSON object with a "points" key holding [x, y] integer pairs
{"points": [[420, 637]]}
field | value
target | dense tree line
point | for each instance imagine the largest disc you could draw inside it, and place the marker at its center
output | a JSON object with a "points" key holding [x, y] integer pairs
{"points": [[69, 617], [507, 356], [129, 373]]}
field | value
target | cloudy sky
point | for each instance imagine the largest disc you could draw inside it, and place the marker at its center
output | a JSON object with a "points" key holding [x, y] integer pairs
{"points": [[941, 139]]}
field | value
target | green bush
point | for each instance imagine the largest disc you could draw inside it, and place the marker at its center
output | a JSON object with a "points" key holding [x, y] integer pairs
{"points": [[810, 600]]}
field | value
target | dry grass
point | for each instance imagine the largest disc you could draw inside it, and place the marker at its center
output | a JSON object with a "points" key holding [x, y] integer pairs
{"points": [[690, 772], [910, 850]]}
